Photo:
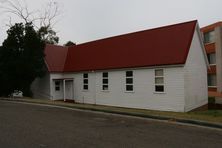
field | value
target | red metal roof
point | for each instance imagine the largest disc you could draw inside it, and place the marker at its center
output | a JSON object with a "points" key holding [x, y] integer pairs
{"points": [[167, 45], [55, 57]]}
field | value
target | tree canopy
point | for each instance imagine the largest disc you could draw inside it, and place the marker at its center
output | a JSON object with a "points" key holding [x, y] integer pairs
{"points": [[21, 59], [43, 19], [22, 52], [48, 35], [69, 43]]}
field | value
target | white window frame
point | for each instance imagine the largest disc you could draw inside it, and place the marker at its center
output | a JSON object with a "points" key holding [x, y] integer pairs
{"points": [[57, 85], [159, 84], [105, 84], [84, 82], [129, 84]]}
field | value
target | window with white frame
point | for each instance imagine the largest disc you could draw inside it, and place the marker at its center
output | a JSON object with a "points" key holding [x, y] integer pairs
{"points": [[212, 80], [159, 80], [129, 80], [105, 81], [85, 81], [209, 37], [57, 85], [211, 58]]}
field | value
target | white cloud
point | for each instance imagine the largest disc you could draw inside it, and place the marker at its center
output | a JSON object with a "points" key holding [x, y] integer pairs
{"points": [[85, 20], [2, 1]]}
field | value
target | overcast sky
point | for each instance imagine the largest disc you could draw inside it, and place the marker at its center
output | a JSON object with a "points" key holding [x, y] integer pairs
{"points": [[87, 20]]}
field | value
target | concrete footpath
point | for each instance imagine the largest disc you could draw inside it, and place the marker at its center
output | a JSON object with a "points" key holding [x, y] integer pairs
{"points": [[158, 115]]}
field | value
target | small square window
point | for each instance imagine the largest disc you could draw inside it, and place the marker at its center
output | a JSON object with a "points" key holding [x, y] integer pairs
{"points": [[105, 87], [85, 87], [129, 87], [159, 72], [57, 83], [105, 74], [129, 80], [159, 80], [105, 81], [85, 81], [57, 88], [159, 88], [129, 73], [85, 75]]}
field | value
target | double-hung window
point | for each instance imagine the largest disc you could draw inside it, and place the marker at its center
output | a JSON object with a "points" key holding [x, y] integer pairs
{"points": [[85, 81], [159, 80], [129, 80], [57, 85], [105, 81]]}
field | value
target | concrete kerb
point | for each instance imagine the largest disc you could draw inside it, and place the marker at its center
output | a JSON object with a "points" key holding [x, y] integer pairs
{"points": [[165, 118], [155, 117]]}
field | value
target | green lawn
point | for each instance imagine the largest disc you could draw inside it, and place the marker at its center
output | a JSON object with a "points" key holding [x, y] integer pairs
{"points": [[209, 115]]}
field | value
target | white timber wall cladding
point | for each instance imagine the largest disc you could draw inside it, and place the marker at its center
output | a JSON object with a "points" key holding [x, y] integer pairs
{"points": [[41, 87], [84, 96], [143, 95], [195, 74], [56, 94]]}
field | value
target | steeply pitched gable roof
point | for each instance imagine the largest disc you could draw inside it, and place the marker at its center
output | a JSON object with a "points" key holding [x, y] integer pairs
{"points": [[55, 57], [167, 45]]}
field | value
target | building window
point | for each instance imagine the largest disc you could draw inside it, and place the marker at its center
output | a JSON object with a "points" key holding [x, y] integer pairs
{"points": [[105, 81], [211, 58], [212, 80], [159, 80], [129, 80], [85, 81], [209, 37], [57, 85]]}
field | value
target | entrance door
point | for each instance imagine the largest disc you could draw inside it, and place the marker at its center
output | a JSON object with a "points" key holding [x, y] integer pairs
{"points": [[69, 90]]}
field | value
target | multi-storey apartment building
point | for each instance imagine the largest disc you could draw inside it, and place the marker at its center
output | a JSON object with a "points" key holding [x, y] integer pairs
{"points": [[212, 35]]}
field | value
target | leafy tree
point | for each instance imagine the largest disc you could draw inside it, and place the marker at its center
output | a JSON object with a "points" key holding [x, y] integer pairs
{"points": [[48, 35], [21, 59], [43, 20], [22, 55], [69, 43]]}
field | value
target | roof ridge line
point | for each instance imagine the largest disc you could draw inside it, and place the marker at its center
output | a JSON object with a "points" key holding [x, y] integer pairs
{"points": [[161, 27]]}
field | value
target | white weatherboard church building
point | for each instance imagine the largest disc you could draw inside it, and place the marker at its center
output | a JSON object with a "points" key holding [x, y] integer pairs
{"points": [[159, 69]]}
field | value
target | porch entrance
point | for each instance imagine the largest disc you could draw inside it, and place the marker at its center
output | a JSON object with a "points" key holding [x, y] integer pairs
{"points": [[68, 90]]}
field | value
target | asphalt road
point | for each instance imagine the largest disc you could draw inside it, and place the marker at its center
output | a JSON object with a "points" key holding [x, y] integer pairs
{"points": [[31, 126]]}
